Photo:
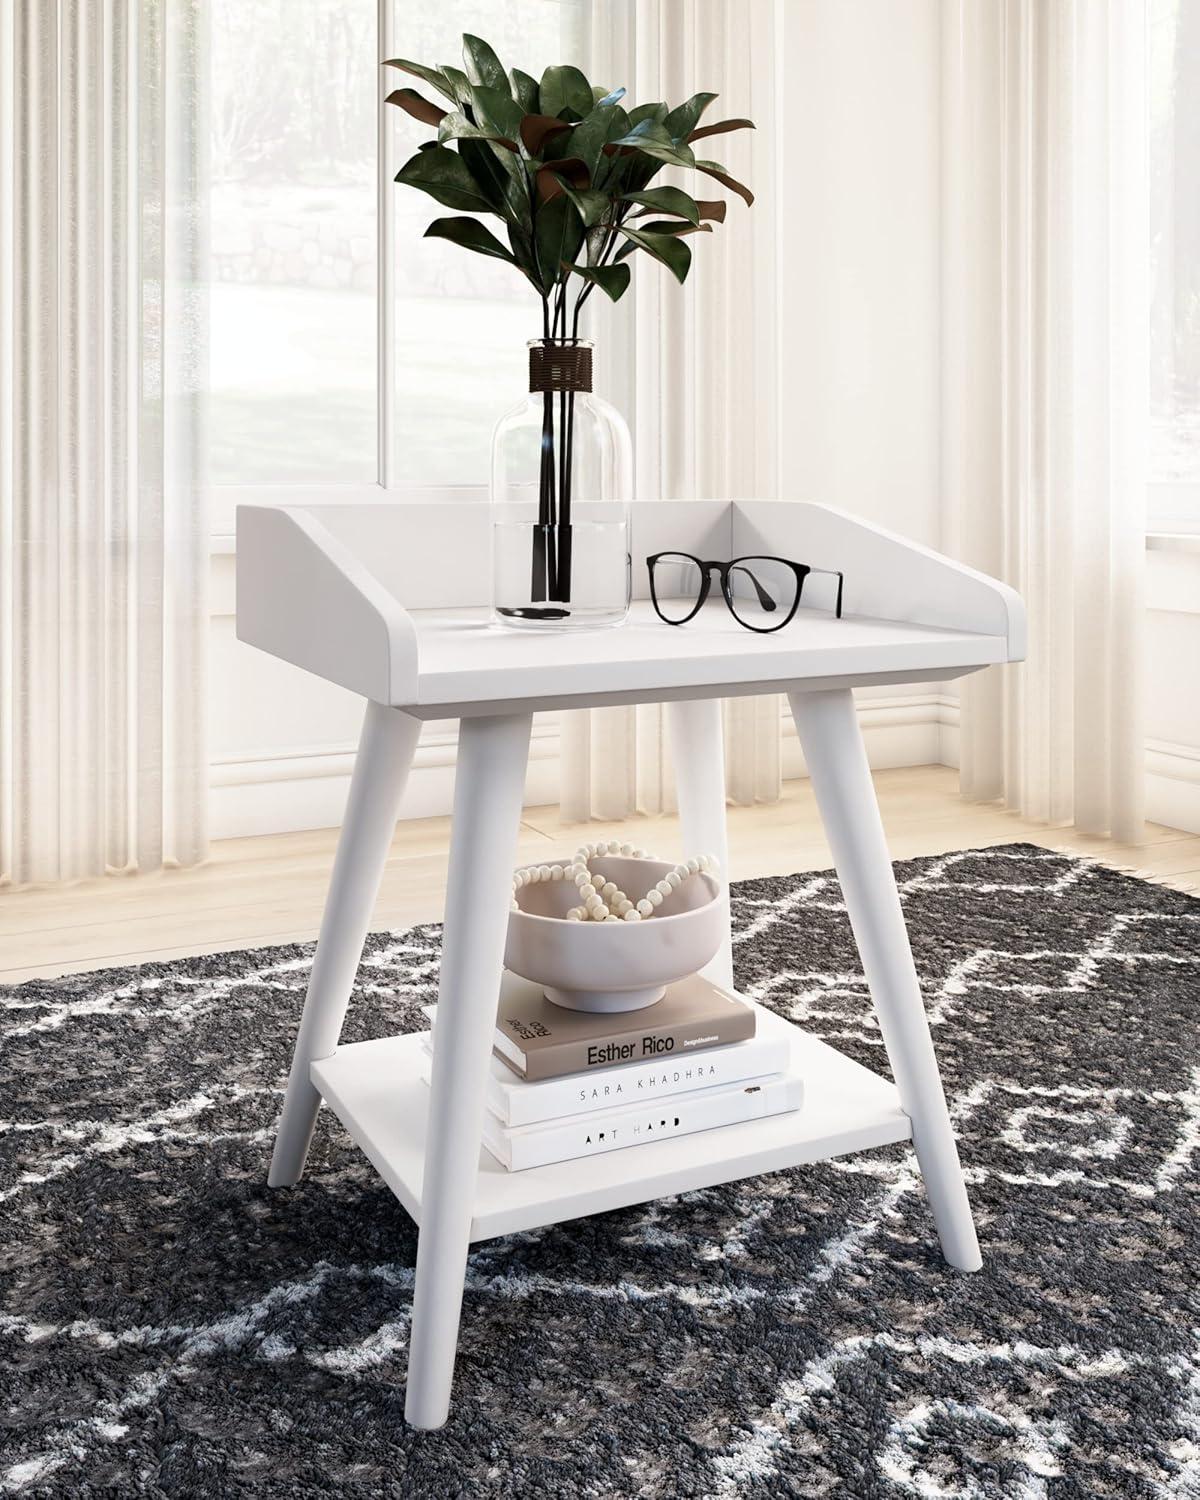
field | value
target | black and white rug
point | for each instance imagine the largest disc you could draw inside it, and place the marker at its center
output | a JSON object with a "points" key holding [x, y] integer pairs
{"points": [[168, 1326]]}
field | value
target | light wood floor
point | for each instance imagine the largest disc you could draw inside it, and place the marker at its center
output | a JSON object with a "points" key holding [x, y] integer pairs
{"points": [[258, 891]]}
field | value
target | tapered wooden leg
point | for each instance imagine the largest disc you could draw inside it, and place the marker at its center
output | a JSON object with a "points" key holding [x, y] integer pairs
{"points": [[385, 754], [841, 779], [488, 786], [698, 752]]}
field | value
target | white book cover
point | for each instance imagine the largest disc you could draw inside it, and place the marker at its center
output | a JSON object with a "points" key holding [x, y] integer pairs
{"points": [[515, 1102], [528, 1146]]}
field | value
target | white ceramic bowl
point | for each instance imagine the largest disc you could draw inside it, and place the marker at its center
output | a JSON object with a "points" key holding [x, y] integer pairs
{"points": [[600, 966]]}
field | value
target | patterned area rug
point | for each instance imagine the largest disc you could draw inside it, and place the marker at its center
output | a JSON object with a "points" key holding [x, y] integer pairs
{"points": [[171, 1327]]}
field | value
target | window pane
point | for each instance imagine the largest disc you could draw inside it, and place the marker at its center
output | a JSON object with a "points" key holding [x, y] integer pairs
{"points": [[462, 320], [293, 96], [1174, 86]]}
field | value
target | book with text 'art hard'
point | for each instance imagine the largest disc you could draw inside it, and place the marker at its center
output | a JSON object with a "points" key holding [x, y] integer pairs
{"points": [[516, 1101], [538, 1039], [527, 1146]]}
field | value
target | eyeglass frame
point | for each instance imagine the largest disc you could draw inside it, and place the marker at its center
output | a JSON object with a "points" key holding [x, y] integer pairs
{"points": [[801, 570]]}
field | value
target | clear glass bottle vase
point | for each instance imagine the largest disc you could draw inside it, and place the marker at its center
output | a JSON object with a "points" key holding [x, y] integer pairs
{"points": [[562, 476]]}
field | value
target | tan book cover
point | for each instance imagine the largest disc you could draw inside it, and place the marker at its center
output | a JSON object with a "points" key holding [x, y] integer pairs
{"points": [[538, 1039]]}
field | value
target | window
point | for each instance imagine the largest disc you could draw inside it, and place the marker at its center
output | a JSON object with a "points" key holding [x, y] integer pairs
{"points": [[1174, 98], [302, 348]]}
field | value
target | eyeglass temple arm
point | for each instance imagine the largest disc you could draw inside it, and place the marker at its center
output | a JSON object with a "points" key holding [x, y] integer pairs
{"points": [[833, 573], [764, 598]]}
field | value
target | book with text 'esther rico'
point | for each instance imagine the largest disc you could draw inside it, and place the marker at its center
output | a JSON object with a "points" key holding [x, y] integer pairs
{"points": [[516, 1101], [539, 1039]]}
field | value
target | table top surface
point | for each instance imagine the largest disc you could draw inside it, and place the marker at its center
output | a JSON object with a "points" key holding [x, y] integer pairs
{"points": [[465, 659], [388, 601]]}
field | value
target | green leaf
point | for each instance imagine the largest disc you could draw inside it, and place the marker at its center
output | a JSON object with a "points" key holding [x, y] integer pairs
{"points": [[722, 127], [483, 66], [471, 235], [667, 248], [651, 137], [459, 83], [673, 156], [444, 175], [673, 226], [668, 200], [715, 169], [683, 120], [655, 113], [592, 205], [612, 280], [597, 243], [595, 131], [558, 234], [456, 127], [435, 77], [414, 104], [564, 91], [498, 110], [500, 174], [523, 252], [524, 91]]}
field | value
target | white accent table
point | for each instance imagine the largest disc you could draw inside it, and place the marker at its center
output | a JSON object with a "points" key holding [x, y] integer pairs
{"points": [[389, 600]]}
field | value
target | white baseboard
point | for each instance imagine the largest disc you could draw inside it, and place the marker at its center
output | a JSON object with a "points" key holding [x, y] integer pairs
{"points": [[899, 731], [1173, 785], [287, 792], [1172, 775]]}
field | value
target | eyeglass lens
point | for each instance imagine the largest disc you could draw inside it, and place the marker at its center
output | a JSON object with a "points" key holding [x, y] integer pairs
{"points": [[677, 585], [762, 591]]}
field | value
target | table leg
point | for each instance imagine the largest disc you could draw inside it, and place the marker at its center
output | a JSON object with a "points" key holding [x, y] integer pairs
{"points": [[385, 752], [837, 763], [488, 786], [698, 753]]}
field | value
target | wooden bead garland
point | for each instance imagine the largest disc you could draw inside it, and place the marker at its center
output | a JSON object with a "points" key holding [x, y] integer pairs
{"points": [[602, 900]]}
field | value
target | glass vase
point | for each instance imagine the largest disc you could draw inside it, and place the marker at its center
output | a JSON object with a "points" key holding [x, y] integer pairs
{"points": [[562, 476]]}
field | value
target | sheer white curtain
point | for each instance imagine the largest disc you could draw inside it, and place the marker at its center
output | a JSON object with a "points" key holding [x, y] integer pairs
{"points": [[102, 547], [692, 367], [1045, 334]]}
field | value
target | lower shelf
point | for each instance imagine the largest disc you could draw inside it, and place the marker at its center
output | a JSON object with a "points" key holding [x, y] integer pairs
{"points": [[376, 1090]]}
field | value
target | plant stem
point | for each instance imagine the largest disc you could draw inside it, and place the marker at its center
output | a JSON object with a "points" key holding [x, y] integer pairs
{"points": [[548, 480], [602, 260], [564, 507], [540, 561], [565, 530]]}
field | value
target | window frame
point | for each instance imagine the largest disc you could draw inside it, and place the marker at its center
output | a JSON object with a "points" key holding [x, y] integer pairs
{"points": [[1173, 507]]}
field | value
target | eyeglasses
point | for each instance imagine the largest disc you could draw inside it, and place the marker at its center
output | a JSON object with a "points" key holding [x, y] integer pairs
{"points": [[763, 593]]}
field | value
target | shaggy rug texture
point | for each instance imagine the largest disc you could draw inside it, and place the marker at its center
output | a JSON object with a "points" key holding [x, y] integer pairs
{"points": [[170, 1327]]}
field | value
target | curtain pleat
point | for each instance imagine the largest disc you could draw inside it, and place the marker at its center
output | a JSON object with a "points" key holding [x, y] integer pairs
{"points": [[1045, 391], [692, 367], [103, 622]]}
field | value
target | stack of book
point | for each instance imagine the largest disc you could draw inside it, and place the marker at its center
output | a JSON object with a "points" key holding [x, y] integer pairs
{"points": [[566, 1084]]}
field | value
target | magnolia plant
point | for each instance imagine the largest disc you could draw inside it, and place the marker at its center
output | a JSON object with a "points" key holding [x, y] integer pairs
{"points": [[568, 171]]}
